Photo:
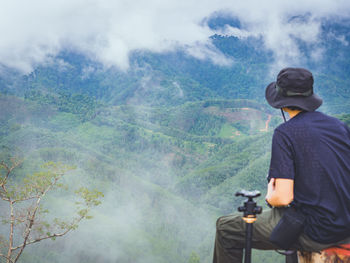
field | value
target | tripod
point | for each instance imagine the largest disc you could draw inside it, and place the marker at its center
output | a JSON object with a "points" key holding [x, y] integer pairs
{"points": [[250, 210]]}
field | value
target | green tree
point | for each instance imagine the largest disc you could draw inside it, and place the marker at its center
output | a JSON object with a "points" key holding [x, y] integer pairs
{"points": [[26, 216]]}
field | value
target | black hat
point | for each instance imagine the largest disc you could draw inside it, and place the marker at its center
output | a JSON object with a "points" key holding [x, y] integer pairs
{"points": [[294, 87]]}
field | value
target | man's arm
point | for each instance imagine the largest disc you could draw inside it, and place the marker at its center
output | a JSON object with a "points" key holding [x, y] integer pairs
{"points": [[280, 191]]}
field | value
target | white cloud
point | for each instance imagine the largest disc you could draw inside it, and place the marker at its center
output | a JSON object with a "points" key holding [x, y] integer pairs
{"points": [[207, 50], [237, 32], [109, 30]]}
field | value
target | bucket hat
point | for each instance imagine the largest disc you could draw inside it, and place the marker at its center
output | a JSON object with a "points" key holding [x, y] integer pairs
{"points": [[294, 87]]}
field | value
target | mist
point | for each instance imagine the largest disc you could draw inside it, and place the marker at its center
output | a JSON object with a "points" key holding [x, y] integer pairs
{"points": [[141, 218], [108, 32]]}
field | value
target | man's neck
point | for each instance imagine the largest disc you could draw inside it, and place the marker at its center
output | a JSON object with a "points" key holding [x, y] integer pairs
{"points": [[292, 113]]}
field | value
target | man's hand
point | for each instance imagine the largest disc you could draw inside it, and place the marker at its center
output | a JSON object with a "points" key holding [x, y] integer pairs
{"points": [[280, 191]]}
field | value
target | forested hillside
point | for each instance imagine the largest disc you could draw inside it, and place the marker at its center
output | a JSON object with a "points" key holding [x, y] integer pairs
{"points": [[168, 141]]}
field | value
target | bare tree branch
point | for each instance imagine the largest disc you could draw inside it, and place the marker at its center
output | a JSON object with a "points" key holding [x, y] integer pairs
{"points": [[43, 238], [69, 228], [25, 199], [12, 223], [15, 163], [5, 199], [7, 258], [31, 220], [27, 216]]}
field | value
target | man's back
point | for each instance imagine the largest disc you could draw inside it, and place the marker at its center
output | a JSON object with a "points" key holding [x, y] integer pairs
{"points": [[310, 164], [313, 149]]}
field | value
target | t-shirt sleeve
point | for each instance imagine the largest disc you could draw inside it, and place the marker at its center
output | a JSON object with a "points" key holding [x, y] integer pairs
{"points": [[282, 161], [347, 129]]}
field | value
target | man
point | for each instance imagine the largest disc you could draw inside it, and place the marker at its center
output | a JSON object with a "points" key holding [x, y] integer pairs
{"points": [[309, 170]]}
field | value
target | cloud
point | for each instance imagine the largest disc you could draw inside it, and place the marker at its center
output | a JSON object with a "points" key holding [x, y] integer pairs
{"points": [[281, 25], [108, 31]]}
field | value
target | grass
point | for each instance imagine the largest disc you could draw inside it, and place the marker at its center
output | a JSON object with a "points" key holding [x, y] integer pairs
{"points": [[228, 131]]}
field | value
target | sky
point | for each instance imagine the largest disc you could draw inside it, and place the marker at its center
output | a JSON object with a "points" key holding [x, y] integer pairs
{"points": [[33, 32]]}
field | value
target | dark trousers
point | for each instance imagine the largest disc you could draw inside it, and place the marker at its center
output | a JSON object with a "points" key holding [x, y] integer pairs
{"points": [[230, 236]]}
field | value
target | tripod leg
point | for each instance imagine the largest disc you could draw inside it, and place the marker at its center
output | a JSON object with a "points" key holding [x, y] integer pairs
{"points": [[248, 243]]}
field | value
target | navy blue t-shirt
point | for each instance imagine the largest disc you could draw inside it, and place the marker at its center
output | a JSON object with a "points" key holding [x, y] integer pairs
{"points": [[313, 149]]}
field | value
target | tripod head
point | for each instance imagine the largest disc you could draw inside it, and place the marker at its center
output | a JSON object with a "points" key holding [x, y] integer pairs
{"points": [[249, 194], [250, 209]]}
